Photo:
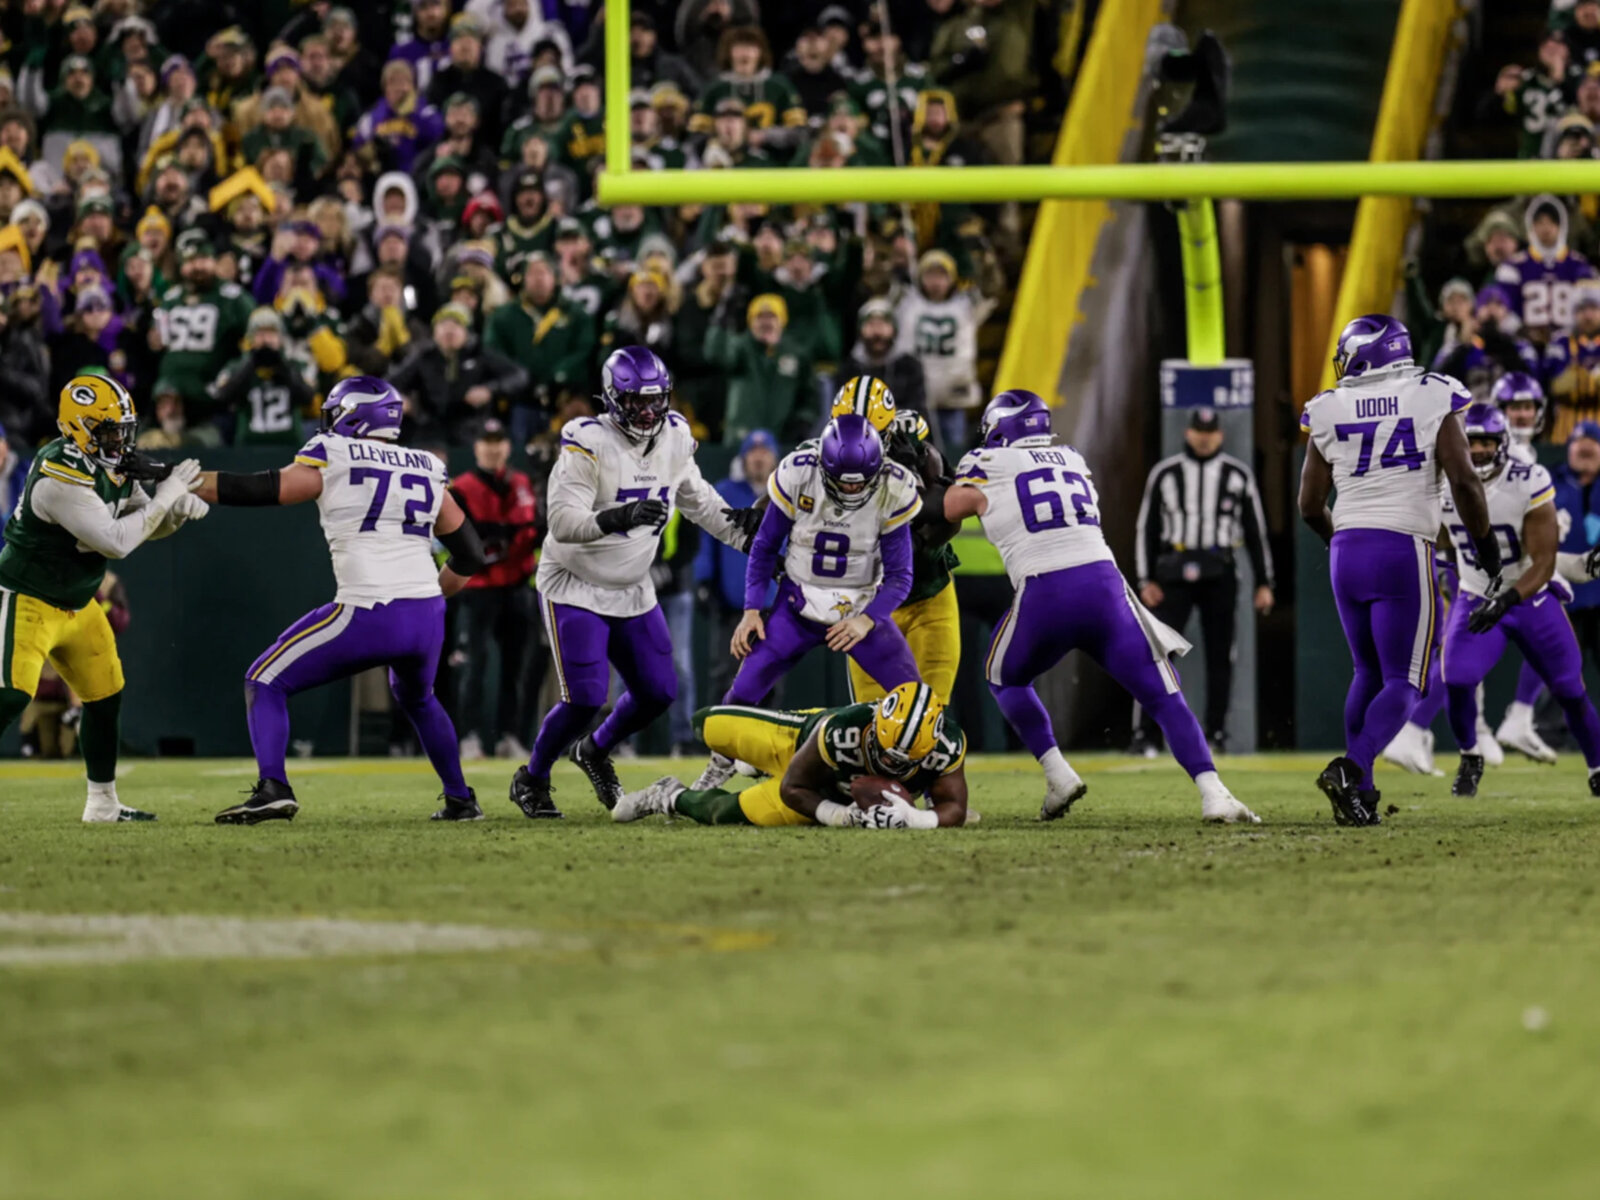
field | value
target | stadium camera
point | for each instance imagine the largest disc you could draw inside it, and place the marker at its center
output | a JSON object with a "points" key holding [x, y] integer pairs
{"points": [[1204, 70]]}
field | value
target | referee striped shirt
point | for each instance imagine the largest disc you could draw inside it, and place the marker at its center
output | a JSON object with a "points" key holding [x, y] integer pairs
{"points": [[1210, 505]]}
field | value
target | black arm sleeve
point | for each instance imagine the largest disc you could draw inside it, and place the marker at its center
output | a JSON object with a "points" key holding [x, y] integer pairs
{"points": [[466, 551], [247, 491]]}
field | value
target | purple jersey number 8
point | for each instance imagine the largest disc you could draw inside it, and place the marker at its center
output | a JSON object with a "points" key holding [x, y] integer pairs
{"points": [[832, 555], [1074, 487]]}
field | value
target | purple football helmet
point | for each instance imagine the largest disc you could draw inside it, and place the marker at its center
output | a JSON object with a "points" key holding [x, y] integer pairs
{"points": [[637, 389], [1370, 343], [1016, 418], [1518, 387], [852, 456], [363, 406], [1485, 422]]}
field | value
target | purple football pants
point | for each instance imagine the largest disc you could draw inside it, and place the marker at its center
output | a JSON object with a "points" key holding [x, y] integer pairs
{"points": [[882, 654], [1384, 586], [1540, 629], [1086, 608], [585, 644], [337, 640]]}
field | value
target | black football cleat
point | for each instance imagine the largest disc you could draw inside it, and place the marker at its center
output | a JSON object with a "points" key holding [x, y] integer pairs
{"points": [[1594, 783], [1468, 775], [596, 764], [1372, 801], [459, 808], [1340, 782], [532, 796], [270, 800]]}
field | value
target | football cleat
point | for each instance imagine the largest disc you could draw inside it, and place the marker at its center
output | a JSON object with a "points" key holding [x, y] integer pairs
{"points": [[1061, 794], [532, 796], [1411, 750], [658, 798], [1517, 733], [1218, 804], [1594, 782], [596, 764], [459, 808], [270, 800], [718, 771], [114, 815], [1372, 801], [1468, 776], [472, 748], [1340, 782], [1488, 747]]}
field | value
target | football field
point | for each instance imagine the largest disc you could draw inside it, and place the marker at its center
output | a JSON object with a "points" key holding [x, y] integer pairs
{"points": [[1120, 1004]]}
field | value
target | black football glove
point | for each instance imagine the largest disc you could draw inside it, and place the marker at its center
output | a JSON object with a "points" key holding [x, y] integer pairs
{"points": [[748, 520], [1591, 563], [1487, 549], [632, 515], [1488, 614], [141, 468]]}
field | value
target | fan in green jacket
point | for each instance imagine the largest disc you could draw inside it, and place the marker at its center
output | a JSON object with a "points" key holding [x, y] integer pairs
{"points": [[551, 339], [770, 380]]}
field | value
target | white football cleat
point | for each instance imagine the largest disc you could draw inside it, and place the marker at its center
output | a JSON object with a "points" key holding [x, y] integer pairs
{"points": [[1217, 803], [1517, 733], [1487, 746], [509, 747], [115, 814], [718, 771], [656, 799], [1412, 750], [471, 748], [1061, 793], [745, 769]]}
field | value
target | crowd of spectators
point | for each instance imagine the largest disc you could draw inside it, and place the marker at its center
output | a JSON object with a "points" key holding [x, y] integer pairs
{"points": [[229, 206], [1527, 297]]}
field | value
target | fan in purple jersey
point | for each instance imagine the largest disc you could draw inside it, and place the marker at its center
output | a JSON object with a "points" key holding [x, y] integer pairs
{"points": [[1543, 279], [380, 505], [1382, 436]]}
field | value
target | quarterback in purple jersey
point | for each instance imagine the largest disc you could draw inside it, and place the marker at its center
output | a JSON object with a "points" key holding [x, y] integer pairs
{"points": [[1524, 609], [1038, 506], [1383, 435], [381, 506], [1543, 279]]}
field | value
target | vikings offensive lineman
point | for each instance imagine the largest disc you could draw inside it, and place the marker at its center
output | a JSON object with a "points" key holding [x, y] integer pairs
{"points": [[1525, 609], [1039, 508], [846, 515], [616, 481], [1382, 435], [381, 506]]}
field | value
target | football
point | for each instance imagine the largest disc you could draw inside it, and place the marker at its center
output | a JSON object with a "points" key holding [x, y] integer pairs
{"points": [[875, 789]]}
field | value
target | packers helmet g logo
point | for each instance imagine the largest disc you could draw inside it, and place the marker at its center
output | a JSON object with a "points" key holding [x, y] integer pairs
{"points": [[906, 727], [82, 395], [868, 397]]}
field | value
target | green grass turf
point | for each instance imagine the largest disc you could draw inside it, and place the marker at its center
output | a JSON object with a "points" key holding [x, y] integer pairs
{"points": [[1122, 1004]]}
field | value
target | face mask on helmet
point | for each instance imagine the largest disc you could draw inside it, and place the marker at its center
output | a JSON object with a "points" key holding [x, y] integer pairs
{"points": [[110, 441], [639, 414], [852, 461], [1488, 452]]}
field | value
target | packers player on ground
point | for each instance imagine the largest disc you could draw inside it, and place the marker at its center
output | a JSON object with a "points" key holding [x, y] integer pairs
{"points": [[928, 617], [80, 507], [814, 757]]}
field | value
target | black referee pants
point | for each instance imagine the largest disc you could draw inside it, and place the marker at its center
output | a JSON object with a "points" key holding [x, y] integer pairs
{"points": [[509, 618], [1215, 598]]}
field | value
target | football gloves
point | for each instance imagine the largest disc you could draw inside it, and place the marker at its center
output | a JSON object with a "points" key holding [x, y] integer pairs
{"points": [[747, 520], [1495, 606], [632, 515], [141, 468]]}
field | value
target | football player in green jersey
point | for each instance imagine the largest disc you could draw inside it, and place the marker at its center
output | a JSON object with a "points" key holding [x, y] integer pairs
{"points": [[814, 757], [81, 506]]}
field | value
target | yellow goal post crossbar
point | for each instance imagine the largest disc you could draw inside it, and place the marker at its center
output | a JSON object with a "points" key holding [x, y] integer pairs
{"points": [[620, 183]]}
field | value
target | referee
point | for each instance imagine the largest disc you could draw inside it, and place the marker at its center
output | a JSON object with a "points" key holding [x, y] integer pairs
{"points": [[1199, 506]]}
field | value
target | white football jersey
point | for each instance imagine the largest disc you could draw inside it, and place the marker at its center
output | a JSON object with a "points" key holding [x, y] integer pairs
{"points": [[943, 335], [378, 506], [1043, 514], [598, 467], [1512, 494], [1377, 431], [833, 554]]}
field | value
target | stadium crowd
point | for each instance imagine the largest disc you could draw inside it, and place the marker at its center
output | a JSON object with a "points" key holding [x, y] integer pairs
{"points": [[228, 207]]}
